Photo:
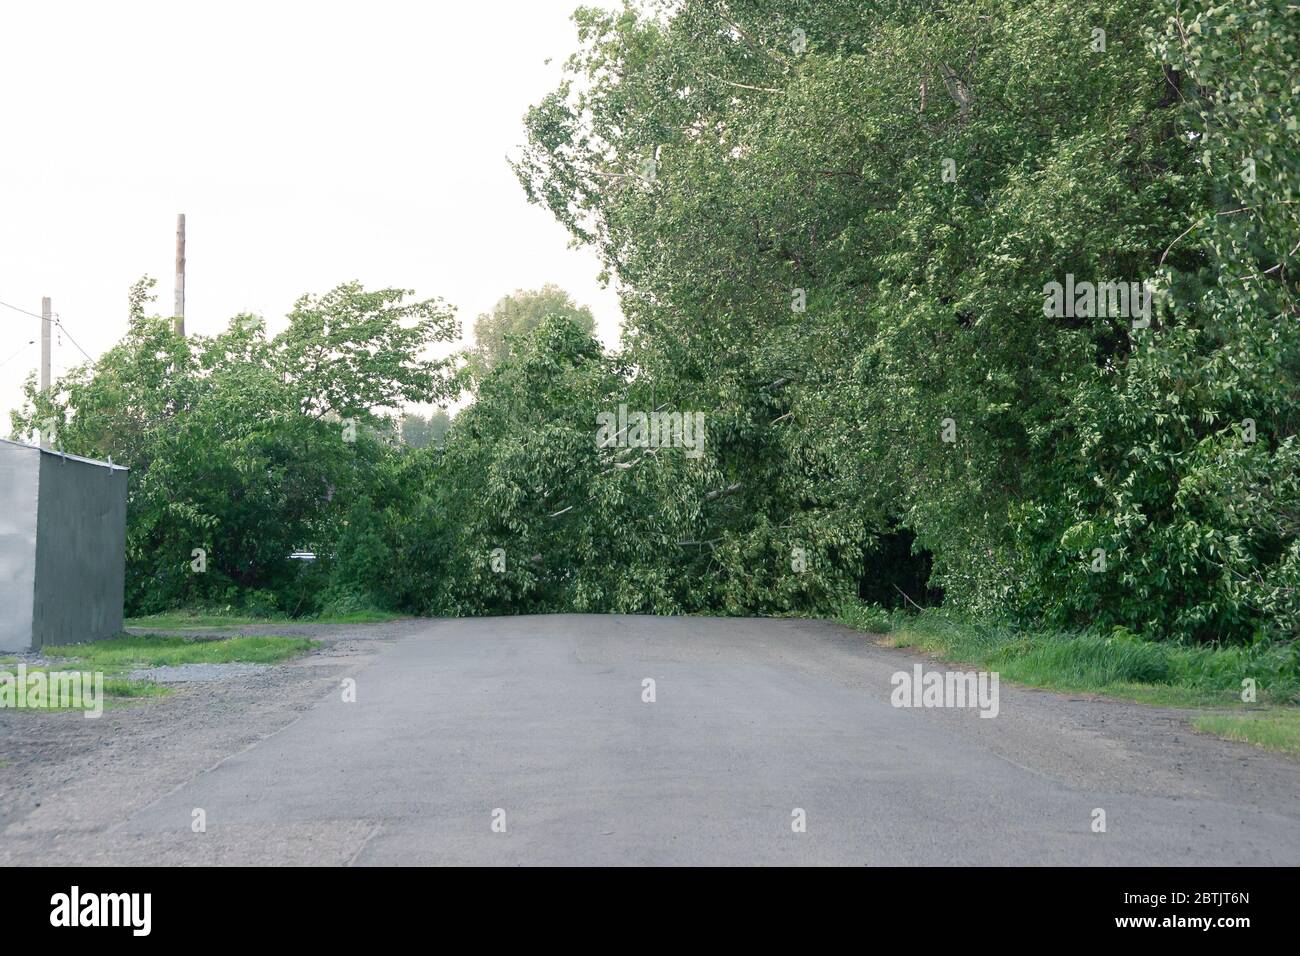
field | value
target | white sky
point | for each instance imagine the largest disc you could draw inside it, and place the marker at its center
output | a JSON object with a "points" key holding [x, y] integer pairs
{"points": [[307, 143]]}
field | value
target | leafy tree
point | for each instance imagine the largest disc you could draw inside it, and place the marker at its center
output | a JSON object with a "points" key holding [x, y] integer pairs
{"points": [[245, 446], [837, 227], [519, 313], [851, 214], [420, 432], [578, 524]]}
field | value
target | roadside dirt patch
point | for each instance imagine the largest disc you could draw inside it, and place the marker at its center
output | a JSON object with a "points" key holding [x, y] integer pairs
{"points": [[64, 774]]}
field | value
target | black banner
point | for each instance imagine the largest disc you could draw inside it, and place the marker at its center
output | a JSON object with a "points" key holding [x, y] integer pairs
{"points": [[317, 905]]}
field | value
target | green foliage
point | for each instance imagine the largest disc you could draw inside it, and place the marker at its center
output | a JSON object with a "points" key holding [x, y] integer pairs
{"points": [[240, 444], [1183, 461], [518, 314], [1118, 663], [418, 431], [916, 175], [834, 226]]}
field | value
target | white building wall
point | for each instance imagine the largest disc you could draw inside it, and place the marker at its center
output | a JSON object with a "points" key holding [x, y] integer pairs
{"points": [[20, 470]]}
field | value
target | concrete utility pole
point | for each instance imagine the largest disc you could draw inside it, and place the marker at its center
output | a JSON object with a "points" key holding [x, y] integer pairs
{"points": [[47, 320], [179, 311]]}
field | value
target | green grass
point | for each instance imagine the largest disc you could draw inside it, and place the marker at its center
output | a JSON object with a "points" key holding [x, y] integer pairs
{"points": [[117, 690], [118, 656], [188, 620], [1116, 665], [1273, 729], [154, 650], [185, 620], [121, 687]]}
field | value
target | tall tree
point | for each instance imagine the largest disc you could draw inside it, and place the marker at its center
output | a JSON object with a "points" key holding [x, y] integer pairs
{"points": [[244, 445], [847, 217], [519, 313], [421, 432]]}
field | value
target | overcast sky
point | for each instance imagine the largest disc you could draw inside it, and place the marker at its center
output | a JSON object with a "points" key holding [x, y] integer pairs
{"points": [[307, 144]]}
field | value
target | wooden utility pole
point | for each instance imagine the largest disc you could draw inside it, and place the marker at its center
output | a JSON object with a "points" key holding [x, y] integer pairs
{"points": [[180, 275], [47, 320]]}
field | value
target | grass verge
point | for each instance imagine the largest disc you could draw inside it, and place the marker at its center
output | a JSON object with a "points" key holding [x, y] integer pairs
{"points": [[189, 620], [117, 689], [117, 657], [1273, 729], [1119, 664], [132, 651]]}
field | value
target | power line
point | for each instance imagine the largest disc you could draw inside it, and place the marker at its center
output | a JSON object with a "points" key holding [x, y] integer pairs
{"points": [[57, 321], [34, 315], [21, 349], [59, 324]]}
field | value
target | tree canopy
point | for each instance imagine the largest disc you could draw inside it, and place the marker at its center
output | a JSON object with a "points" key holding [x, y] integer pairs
{"points": [[246, 446], [990, 303], [518, 314], [866, 204]]}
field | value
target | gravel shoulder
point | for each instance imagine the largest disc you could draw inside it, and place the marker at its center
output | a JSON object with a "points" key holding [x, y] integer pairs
{"points": [[65, 780]]}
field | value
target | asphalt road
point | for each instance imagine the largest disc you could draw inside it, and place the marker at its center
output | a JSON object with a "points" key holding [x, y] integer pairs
{"points": [[539, 723]]}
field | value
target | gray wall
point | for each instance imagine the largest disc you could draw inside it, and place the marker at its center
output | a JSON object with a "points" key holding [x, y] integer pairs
{"points": [[80, 551], [19, 468]]}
